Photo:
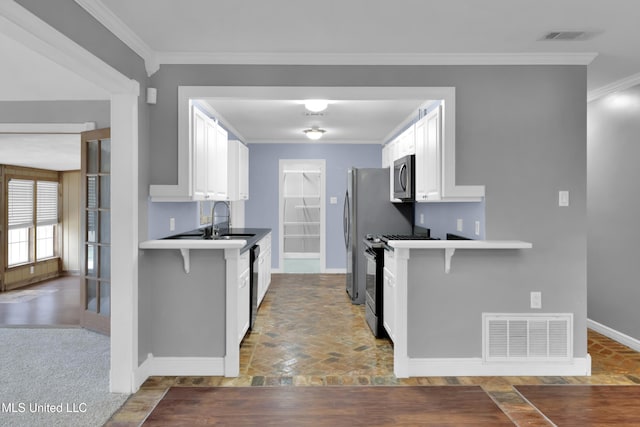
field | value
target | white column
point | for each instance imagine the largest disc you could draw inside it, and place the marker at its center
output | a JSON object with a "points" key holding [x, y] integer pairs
{"points": [[124, 242]]}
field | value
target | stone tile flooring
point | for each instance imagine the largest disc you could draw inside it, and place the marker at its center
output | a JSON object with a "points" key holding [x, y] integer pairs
{"points": [[308, 334]]}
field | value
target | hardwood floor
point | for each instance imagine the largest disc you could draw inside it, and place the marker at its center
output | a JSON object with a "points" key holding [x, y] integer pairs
{"points": [[566, 405], [327, 406], [308, 334], [57, 303]]}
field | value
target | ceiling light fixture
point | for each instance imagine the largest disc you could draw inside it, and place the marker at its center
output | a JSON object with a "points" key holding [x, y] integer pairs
{"points": [[314, 133], [316, 105]]}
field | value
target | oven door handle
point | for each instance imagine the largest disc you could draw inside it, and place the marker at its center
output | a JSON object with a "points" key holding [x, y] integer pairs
{"points": [[369, 254]]}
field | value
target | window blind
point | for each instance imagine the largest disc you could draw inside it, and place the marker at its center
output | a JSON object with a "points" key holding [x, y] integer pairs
{"points": [[20, 203], [47, 203]]}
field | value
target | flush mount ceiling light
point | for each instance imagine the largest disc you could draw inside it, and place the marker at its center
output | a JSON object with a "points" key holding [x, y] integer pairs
{"points": [[314, 133], [316, 105]]}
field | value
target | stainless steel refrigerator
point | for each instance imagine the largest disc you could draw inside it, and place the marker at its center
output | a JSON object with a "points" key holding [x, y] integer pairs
{"points": [[367, 210]]}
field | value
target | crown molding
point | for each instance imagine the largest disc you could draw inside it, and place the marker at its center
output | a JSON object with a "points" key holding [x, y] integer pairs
{"points": [[303, 58], [106, 17], [616, 86]]}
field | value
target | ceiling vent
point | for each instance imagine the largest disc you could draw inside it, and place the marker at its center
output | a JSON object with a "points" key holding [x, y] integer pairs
{"points": [[565, 35], [312, 114]]}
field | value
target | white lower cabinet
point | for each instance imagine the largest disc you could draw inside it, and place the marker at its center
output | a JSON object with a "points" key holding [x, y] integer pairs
{"points": [[389, 288], [264, 267], [244, 295]]}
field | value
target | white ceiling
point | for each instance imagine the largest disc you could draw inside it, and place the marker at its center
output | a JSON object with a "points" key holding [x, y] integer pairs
{"points": [[345, 121], [375, 27], [59, 152], [338, 31]]}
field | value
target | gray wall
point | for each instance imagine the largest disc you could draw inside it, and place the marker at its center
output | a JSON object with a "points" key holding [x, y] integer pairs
{"points": [[186, 315], [521, 131], [56, 112], [613, 211]]}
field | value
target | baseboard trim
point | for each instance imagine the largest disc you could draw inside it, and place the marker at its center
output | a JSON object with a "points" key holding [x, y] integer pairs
{"points": [[614, 335], [178, 366], [335, 271], [476, 367]]}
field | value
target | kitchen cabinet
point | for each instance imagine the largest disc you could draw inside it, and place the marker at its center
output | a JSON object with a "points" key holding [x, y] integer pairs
{"points": [[428, 131], [389, 290], [210, 166], [243, 172], [209, 142], [264, 267], [238, 171], [432, 140], [403, 145], [244, 295]]}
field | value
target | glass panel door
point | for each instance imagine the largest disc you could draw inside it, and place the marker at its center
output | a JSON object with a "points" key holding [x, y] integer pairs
{"points": [[96, 229]]}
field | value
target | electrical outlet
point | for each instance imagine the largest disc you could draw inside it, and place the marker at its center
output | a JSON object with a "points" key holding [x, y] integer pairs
{"points": [[536, 299], [477, 228], [422, 219], [31, 270], [333, 200], [459, 224], [172, 224]]}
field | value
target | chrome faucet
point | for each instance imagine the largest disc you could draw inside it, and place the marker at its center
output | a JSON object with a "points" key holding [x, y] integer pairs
{"points": [[215, 229]]}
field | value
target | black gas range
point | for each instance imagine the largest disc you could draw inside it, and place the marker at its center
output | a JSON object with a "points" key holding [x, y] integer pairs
{"points": [[375, 245]]}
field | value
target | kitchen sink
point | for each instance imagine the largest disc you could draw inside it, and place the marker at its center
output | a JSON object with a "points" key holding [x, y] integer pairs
{"points": [[200, 235], [232, 236]]}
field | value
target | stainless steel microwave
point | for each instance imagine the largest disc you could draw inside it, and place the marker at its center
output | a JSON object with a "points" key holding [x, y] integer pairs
{"points": [[403, 178]]}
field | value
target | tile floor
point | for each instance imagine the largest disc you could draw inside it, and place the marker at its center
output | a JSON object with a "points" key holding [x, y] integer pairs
{"points": [[308, 334]]}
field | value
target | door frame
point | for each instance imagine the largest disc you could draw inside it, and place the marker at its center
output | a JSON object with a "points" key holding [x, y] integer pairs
{"points": [[323, 210], [23, 26]]}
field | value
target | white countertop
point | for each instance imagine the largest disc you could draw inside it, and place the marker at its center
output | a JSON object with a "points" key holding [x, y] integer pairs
{"points": [[193, 244], [459, 244]]}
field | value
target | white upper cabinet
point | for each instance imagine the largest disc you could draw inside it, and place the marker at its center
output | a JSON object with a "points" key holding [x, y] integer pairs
{"points": [[428, 157], [402, 145], [432, 140], [243, 173], [238, 173], [210, 167], [209, 142]]}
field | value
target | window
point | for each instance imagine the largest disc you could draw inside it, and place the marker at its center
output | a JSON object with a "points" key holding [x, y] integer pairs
{"points": [[46, 218], [20, 220], [23, 195]]}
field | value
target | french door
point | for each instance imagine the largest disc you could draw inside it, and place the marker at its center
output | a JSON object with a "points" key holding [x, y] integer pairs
{"points": [[96, 230]]}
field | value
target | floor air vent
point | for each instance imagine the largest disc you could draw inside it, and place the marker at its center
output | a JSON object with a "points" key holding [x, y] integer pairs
{"points": [[527, 337]]}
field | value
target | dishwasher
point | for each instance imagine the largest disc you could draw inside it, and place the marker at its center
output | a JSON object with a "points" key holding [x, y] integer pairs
{"points": [[254, 273]]}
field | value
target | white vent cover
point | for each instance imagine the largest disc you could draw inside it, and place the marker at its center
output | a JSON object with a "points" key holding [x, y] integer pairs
{"points": [[527, 337], [565, 35]]}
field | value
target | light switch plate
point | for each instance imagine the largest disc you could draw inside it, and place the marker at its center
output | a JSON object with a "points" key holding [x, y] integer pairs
{"points": [[172, 224], [422, 219], [563, 198], [477, 228], [459, 224], [333, 200], [536, 299]]}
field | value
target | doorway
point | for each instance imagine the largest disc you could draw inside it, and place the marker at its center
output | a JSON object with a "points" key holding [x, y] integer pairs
{"points": [[96, 231], [302, 216]]}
